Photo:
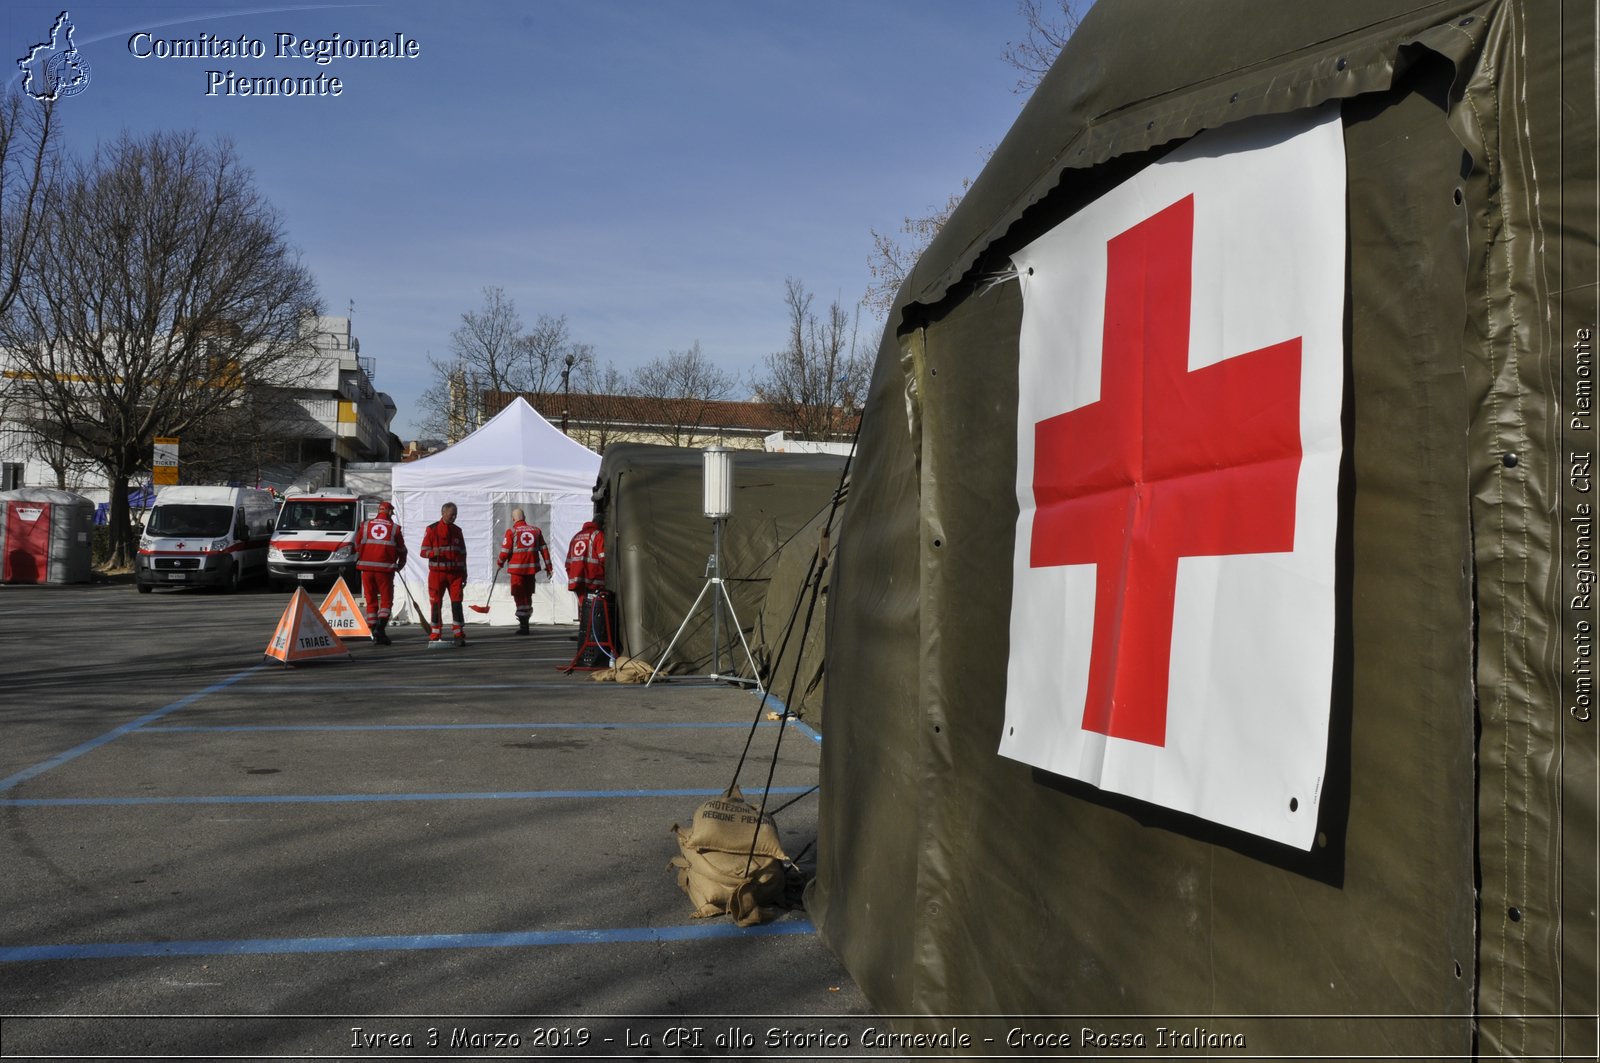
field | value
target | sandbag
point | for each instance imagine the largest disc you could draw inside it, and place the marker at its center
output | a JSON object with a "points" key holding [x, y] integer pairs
{"points": [[716, 867], [625, 670]]}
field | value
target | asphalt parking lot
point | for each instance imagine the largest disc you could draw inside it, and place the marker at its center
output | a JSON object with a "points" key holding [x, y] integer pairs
{"points": [[209, 854]]}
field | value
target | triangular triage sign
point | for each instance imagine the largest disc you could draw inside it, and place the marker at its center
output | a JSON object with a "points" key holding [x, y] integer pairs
{"points": [[302, 634], [340, 611]]}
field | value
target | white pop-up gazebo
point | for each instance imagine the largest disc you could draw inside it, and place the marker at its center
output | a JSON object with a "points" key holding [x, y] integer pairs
{"points": [[516, 460]]}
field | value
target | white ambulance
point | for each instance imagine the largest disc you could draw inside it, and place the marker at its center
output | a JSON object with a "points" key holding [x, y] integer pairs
{"points": [[204, 537], [315, 538]]}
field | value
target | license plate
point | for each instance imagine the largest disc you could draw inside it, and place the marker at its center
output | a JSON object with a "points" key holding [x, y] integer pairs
{"points": [[177, 575], [307, 575]]}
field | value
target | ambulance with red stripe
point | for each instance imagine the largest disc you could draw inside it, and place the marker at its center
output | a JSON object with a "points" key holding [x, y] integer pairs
{"points": [[315, 538], [204, 537]]}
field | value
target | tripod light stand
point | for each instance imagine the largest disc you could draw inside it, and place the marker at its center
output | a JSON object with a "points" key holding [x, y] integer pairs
{"points": [[718, 507]]}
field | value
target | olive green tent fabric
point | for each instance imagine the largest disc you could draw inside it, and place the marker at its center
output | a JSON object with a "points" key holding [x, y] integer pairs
{"points": [[790, 639], [1449, 904], [650, 500]]}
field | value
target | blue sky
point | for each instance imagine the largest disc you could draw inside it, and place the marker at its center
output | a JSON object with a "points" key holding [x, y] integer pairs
{"points": [[654, 171]]}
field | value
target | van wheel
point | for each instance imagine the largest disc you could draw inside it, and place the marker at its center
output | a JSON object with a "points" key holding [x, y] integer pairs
{"points": [[144, 588], [231, 584]]}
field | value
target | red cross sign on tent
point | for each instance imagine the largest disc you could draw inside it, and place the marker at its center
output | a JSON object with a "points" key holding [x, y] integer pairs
{"points": [[1178, 446]]}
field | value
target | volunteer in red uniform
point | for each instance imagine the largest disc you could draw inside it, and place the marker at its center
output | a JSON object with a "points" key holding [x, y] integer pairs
{"points": [[446, 551], [380, 553], [524, 545], [586, 560]]}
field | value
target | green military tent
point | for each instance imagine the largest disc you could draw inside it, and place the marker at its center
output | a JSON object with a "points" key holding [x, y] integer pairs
{"points": [[1445, 902], [650, 500]]}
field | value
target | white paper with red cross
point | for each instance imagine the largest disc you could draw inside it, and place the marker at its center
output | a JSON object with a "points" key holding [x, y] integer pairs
{"points": [[1178, 447]]}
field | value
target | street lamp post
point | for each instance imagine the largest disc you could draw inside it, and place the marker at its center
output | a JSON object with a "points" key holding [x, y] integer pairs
{"points": [[566, 391]]}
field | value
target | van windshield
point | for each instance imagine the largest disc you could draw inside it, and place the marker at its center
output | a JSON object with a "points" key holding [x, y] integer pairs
{"points": [[180, 519], [306, 515]]}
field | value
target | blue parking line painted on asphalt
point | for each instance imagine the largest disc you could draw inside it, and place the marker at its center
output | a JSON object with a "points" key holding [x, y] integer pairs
{"points": [[77, 751], [335, 799], [662, 726], [112, 950], [794, 721]]}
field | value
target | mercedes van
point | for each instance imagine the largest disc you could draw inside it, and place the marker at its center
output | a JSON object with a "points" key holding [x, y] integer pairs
{"points": [[204, 537], [315, 538]]}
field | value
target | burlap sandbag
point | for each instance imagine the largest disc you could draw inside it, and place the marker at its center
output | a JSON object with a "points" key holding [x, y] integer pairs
{"points": [[713, 857], [624, 670]]}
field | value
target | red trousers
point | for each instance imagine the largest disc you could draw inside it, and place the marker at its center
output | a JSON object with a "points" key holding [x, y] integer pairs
{"points": [[441, 583], [377, 592], [522, 592]]}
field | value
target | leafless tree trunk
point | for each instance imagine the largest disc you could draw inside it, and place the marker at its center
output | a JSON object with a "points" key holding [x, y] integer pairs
{"points": [[165, 288], [682, 386], [817, 382]]}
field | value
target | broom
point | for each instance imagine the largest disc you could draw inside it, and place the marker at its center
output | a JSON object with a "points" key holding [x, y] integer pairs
{"points": [[484, 608], [423, 622]]}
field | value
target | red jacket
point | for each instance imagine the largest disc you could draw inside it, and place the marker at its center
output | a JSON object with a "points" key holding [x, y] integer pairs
{"points": [[444, 547], [586, 559], [523, 546], [380, 547]]}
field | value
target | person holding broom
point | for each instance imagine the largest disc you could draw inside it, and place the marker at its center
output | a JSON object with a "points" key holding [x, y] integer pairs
{"points": [[446, 550], [380, 553], [520, 552]]}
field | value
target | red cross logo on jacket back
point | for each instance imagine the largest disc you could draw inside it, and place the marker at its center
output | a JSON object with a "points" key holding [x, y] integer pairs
{"points": [[1166, 463]]}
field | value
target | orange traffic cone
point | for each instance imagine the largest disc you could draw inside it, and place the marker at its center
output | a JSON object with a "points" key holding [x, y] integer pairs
{"points": [[340, 611], [302, 634]]}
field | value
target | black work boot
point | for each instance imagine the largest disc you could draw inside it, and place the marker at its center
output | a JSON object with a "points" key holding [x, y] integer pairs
{"points": [[380, 635], [522, 625]]}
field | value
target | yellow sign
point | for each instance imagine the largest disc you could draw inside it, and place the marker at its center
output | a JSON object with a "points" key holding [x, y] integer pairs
{"points": [[164, 463]]}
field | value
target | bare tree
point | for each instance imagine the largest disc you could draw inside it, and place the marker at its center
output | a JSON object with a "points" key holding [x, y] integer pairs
{"points": [[248, 440], [29, 164], [486, 343], [818, 381], [681, 387], [490, 352], [605, 405], [893, 254], [1049, 24], [545, 352], [162, 289]]}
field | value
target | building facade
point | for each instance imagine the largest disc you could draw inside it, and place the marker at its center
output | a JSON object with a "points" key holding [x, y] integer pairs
{"points": [[332, 412]]}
